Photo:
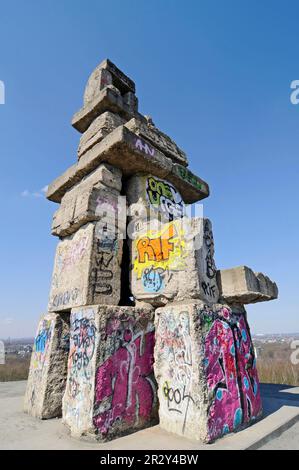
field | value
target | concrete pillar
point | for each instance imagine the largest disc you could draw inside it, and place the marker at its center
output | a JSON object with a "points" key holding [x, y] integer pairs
{"points": [[48, 367], [206, 370], [111, 388]]}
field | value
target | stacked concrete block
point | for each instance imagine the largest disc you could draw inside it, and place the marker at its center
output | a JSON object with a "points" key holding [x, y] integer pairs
{"points": [[87, 269], [150, 197], [95, 197], [173, 261], [206, 370], [241, 285], [48, 367], [111, 389], [99, 128], [106, 288]]}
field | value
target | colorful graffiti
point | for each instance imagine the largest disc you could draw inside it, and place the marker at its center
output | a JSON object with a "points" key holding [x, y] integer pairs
{"points": [[78, 399], [125, 387], [158, 252], [82, 345], [231, 373], [163, 197]]}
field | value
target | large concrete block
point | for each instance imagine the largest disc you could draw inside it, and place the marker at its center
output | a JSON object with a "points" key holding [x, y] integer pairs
{"points": [[48, 367], [173, 261], [149, 132], [108, 99], [127, 151], [106, 73], [206, 370], [241, 285], [99, 129], [111, 388], [151, 197], [87, 268], [90, 200]]}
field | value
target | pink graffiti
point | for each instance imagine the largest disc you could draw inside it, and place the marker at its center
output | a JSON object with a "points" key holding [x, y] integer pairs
{"points": [[74, 254], [144, 147], [231, 375], [124, 380]]}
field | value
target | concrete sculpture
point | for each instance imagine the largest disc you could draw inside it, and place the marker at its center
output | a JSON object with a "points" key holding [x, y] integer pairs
{"points": [[141, 328]]}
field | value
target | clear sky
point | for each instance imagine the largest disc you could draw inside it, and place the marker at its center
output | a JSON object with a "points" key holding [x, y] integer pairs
{"points": [[214, 75]]}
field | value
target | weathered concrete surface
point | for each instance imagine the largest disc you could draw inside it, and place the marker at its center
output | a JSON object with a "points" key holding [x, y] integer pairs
{"points": [[111, 388], [157, 138], [107, 73], [206, 371], [100, 128], [108, 99], [241, 285], [20, 431], [107, 89], [288, 440], [173, 261], [48, 367], [127, 151], [102, 173], [96, 197], [87, 268], [152, 197]]}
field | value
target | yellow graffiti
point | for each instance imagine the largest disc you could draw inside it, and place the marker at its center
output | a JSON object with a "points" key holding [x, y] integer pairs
{"points": [[164, 249]]}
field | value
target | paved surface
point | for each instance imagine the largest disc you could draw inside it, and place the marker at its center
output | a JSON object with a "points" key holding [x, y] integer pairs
{"points": [[289, 440], [19, 431]]}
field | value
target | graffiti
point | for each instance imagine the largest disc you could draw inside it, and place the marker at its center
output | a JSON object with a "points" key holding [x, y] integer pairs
{"points": [[68, 256], [164, 197], [153, 279], [189, 177], [83, 332], [209, 290], [78, 400], [156, 249], [73, 387], [41, 344], [106, 237], [101, 274], [165, 249], [175, 351], [230, 368], [43, 337], [64, 298], [175, 398], [144, 147], [209, 243], [125, 385]]}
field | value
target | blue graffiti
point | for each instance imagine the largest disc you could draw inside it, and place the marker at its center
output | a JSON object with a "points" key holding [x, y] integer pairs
{"points": [[43, 337], [152, 279]]}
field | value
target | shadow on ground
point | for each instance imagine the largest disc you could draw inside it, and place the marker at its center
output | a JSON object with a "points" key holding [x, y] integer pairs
{"points": [[276, 396]]}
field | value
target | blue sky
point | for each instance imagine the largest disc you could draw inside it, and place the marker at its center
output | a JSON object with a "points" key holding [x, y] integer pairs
{"points": [[214, 75]]}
